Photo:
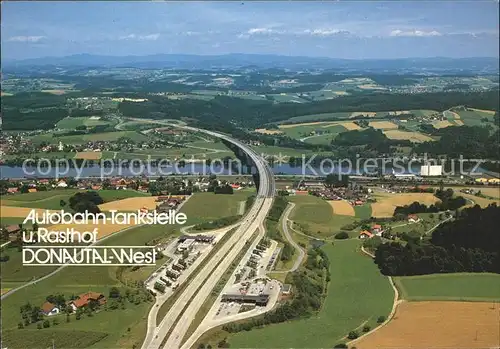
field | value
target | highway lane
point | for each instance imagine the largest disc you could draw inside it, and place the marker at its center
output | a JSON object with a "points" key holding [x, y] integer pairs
{"points": [[191, 300]]}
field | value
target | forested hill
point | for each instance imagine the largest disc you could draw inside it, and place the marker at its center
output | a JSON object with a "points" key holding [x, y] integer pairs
{"points": [[471, 243], [41, 111], [252, 114]]}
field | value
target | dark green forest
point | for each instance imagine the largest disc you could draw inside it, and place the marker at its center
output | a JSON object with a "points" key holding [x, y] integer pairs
{"points": [[470, 243], [222, 111]]}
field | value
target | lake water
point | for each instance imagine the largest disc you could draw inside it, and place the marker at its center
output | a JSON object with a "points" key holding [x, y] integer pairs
{"points": [[195, 168]]}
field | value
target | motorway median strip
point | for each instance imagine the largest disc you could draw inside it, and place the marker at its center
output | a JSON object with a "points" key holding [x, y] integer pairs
{"points": [[207, 305], [171, 300], [191, 299]]}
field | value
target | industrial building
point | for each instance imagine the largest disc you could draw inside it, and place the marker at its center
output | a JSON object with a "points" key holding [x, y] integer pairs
{"points": [[197, 238], [431, 170], [260, 300]]}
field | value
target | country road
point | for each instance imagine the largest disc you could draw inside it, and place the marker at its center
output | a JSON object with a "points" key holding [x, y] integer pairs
{"points": [[291, 241]]}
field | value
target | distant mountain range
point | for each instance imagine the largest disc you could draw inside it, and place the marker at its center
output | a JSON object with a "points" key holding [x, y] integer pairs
{"points": [[237, 60]]}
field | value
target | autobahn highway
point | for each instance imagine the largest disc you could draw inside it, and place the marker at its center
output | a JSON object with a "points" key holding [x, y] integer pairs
{"points": [[177, 321]]}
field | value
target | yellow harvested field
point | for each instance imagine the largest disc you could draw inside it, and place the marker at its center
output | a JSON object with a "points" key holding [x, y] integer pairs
{"points": [[434, 325], [414, 137], [350, 126], [494, 192], [341, 93], [442, 124], [386, 202], [363, 113], [347, 124], [88, 155], [455, 115], [10, 211], [268, 132], [6, 94], [382, 125], [483, 202], [459, 122], [305, 124], [4, 290], [491, 112], [342, 207], [130, 204]]}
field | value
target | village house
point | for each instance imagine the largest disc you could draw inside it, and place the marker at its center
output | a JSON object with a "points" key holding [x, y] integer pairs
{"points": [[413, 218], [12, 231], [12, 190], [376, 229], [49, 309], [365, 234], [84, 300], [62, 184]]}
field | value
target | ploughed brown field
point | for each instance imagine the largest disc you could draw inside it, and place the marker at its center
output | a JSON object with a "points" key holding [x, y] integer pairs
{"points": [[458, 325]]}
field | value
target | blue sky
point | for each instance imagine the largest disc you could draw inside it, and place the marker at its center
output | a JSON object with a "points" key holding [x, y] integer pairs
{"points": [[340, 29]]}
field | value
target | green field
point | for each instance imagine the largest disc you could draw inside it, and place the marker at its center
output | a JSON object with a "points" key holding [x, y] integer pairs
{"points": [[76, 280], [363, 211], [423, 112], [317, 117], [272, 150], [288, 98], [427, 221], [316, 216], [40, 195], [73, 122], [211, 206], [51, 199], [78, 139], [474, 118], [209, 145], [481, 287], [357, 294]]}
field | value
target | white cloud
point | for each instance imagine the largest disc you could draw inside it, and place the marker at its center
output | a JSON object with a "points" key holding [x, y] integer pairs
{"points": [[149, 37], [310, 32], [256, 31], [419, 33], [324, 32], [26, 38]]}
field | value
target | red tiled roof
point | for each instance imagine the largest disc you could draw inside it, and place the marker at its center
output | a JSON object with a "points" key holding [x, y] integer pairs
{"points": [[12, 228], [85, 298], [366, 232], [47, 307], [376, 226]]}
